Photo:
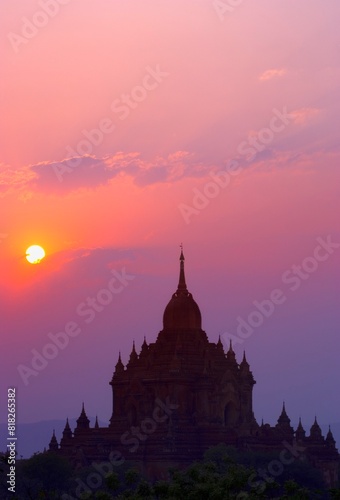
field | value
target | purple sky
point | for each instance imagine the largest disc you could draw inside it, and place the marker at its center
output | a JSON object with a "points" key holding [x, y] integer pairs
{"points": [[130, 127]]}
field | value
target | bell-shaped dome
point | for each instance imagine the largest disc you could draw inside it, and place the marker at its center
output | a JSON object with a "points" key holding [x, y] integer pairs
{"points": [[182, 312]]}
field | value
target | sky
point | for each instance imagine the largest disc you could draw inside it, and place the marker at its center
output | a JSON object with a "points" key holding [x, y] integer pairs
{"points": [[130, 127]]}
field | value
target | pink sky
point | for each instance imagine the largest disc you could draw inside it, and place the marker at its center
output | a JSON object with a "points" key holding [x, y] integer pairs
{"points": [[179, 90]]}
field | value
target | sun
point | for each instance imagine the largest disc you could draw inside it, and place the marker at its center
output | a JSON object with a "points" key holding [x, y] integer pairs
{"points": [[34, 254]]}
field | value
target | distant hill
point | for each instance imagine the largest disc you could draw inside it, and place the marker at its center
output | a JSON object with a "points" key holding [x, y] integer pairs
{"points": [[35, 437]]}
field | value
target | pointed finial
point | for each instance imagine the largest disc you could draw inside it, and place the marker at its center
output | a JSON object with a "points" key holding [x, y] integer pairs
{"points": [[300, 424], [182, 287], [284, 409], [330, 438], [53, 446], [119, 365], [83, 412], [82, 421], [231, 355], [244, 365], [300, 431], [133, 354], [67, 433]]}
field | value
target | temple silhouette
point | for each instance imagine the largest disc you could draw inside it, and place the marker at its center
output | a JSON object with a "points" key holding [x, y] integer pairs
{"points": [[181, 395]]}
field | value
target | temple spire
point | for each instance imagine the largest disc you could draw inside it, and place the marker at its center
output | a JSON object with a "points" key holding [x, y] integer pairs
{"points": [[82, 422], [315, 431], [283, 418], [119, 366], [244, 363], [182, 287], [53, 446], [133, 355], [231, 355], [300, 431], [330, 441], [182, 312], [67, 433]]}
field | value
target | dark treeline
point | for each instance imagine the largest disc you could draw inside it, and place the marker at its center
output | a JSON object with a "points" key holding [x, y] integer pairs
{"points": [[224, 473]]}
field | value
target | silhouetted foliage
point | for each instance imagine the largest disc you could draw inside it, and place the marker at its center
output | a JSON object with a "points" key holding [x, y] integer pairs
{"points": [[299, 470], [43, 476], [224, 473], [52, 471]]}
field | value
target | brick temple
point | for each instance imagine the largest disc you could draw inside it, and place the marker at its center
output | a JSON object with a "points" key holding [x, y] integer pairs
{"points": [[181, 395]]}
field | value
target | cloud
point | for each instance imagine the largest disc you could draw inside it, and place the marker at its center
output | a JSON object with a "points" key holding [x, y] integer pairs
{"points": [[272, 73], [14, 179], [173, 168], [297, 162], [74, 173], [303, 115], [90, 172]]}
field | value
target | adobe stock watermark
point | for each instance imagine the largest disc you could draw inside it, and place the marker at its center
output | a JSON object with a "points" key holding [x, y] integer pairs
{"points": [[88, 310], [223, 7], [132, 438], [40, 19], [122, 107], [291, 278], [275, 468], [222, 179]]}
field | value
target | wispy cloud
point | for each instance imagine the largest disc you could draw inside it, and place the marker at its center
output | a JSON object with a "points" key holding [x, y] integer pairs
{"points": [[302, 116], [90, 172], [296, 162], [272, 73], [14, 179]]}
